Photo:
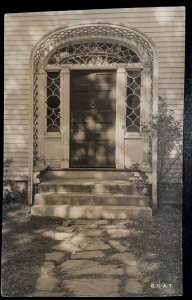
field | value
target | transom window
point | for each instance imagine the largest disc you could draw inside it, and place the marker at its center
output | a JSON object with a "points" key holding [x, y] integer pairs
{"points": [[93, 52]]}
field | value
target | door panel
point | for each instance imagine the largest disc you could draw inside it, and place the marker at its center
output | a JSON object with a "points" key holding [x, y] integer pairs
{"points": [[92, 119]]}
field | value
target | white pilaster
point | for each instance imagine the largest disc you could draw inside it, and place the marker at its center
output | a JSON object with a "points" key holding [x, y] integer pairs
{"points": [[65, 127], [41, 111], [120, 117], [145, 110]]}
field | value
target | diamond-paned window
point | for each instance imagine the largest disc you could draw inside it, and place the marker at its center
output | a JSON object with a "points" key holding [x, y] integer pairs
{"points": [[133, 101], [94, 53], [53, 102]]}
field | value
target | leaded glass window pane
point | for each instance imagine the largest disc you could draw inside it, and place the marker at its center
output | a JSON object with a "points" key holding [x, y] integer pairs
{"points": [[133, 101], [53, 101], [94, 53]]}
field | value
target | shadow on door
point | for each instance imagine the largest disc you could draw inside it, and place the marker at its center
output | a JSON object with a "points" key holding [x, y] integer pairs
{"points": [[92, 118]]}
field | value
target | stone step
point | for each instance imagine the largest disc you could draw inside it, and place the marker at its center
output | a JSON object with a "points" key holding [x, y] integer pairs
{"points": [[51, 174], [64, 198], [92, 211], [89, 186]]}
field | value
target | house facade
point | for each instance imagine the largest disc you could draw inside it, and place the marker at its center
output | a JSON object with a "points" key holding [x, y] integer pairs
{"points": [[80, 84]]}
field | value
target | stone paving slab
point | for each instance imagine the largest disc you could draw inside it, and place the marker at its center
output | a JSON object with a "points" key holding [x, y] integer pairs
{"points": [[126, 243], [91, 287], [58, 236], [47, 268], [101, 222], [84, 226], [67, 245], [65, 229], [87, 254], [54, 256], [118, 233], [112, 226], [120, 222], [84, 222], [118, 246], [90, 232], [46, 283], [79, 242], [85, 267], [67, 223]]}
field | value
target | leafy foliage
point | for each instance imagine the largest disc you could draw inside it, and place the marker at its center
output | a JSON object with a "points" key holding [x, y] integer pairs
{"points": [[11, 191], [169, 138], [40, 161], [7, 188], [139, 178], [169, 145], [169, 148]]}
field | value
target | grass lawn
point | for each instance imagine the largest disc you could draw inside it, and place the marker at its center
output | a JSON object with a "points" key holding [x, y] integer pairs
{"points": [[23, 248], [156, 245]]}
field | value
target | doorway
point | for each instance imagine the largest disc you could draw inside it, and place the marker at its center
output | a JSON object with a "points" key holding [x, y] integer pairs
{"points": [[92, 118]]}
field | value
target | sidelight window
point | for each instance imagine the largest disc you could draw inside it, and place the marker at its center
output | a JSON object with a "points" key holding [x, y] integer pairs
{"points": [[53, 102], [133, 101]]}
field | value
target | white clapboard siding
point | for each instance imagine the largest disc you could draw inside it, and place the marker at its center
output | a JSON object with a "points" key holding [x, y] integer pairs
{"points": [[171, 80], [164, 75], [21, 140], [19, 77], [172, 59], [22, 161], [24, 38], [16, 71], [20, 103], [49, 25], [15, 122], [46, 29], [16, 112], [165, 26], [174, 102], [16, 106], [14, 148], [16, 126]]}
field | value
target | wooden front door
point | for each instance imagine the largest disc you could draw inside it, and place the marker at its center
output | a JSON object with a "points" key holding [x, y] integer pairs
{"points": [[93, 110]]}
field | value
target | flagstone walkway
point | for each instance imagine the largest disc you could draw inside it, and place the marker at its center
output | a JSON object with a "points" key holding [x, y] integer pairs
{"points": [[89, 259]]}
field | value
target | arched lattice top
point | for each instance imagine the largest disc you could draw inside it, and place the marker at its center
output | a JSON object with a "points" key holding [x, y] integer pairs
{"points": [[120, 34], [94, 53]]}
